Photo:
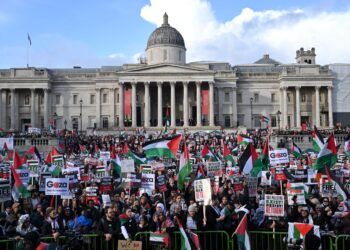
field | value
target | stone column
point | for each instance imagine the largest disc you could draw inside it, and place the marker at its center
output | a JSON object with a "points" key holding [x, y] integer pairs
{"points": [[147, 102], [219, 101], [285, 108], [317, 96], [297, 100], [172, 104], [133, 104], [234, 108], [46, 108], [32, 108], [211, 104], [3, 107], [121, 105], [98, 107], [1, 111], [112, 90], [330, 108], [199, 104], [160, 104], [185, 104]]}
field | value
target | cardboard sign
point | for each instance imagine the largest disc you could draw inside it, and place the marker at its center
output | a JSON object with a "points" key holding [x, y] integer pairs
{"points": [[148, 181], [5, 190], [23, 175], [128, 166], [274, 205], [131, 180], [56, 186], [202, 191], [213, 169], [33, 166], [298, 190], [129, 245], [252, 183], [278, 156]]}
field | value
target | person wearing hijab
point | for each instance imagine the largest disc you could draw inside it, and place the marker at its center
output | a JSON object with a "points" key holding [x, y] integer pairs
{"points": [[24, 226]]}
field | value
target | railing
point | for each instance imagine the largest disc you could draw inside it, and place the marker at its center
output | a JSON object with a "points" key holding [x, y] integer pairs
{"points": [[342, 242]]}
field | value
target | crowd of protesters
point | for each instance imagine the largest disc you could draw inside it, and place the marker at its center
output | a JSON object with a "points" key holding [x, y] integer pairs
{"points": [[162, 211]]}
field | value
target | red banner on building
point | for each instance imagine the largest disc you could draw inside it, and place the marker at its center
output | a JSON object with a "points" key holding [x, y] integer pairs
{"points": [[127, 102], [205, 102]]}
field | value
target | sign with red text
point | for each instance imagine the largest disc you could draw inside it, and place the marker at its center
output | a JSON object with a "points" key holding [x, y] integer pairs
{"points": [[274, 205]]}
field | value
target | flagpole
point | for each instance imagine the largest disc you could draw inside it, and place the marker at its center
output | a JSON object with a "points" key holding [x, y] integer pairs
{"points": [[240, 223]]}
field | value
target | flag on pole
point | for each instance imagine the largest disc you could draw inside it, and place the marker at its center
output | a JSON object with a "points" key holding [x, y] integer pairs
{"points": [[162, 147], [29, 39], [228, 156], [296, 151], [17, 161], [185, 243], [247, 159], [243, 140], [116, 165], [327, 155], [242, 233], [264, 119], [19, 185], [207, 154], [299, 230], [347, 145], [337, 184], [162, 238], [185, 168], [317, 140]]}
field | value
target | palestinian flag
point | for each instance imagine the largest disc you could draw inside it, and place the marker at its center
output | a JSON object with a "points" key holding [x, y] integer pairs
{"points": [[116, 165], [113, 155], [243, 140], [1, 132], [55, 170], [19, 185], [55, 152], [83, 150], [228, 156], [299, 230], [262, 163], [185, 168], [327, 155], [247, 159], [337, 184], [317, 140], [347, 145], [264, 119], [138, 158], [296, 151], [242, 233], [208, 155], [32, 152], [4, 150], [17, 161], [159, 238], [200, 173], [185, 243], [162, 147]]}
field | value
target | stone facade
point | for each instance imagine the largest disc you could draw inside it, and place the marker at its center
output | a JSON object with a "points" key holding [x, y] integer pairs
{"points": [[200, 94]]}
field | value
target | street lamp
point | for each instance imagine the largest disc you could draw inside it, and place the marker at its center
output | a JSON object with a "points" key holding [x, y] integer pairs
{"points": [[81, 115], [65, 137], [251, 112], [278, 119]]}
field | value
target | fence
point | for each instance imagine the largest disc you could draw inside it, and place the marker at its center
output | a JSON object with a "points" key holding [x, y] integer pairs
{"points": [[218, 240]]}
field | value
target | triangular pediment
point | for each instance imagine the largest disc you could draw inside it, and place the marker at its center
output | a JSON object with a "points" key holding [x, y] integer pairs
{"points": [[166, 68]]}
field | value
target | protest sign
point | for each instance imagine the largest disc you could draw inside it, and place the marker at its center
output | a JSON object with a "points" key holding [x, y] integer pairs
{"points": [[148, 181], [128, 166], [106, 184], [146, 169], [300, 175], [23, 175], [43, 176], [9, 142], [105, 155], [279, 174], [131, 180], [106, 200], [100, 172], [75, 171], [56, 186], [34, 169], [274, 205], [84, 177], [298, 190], [129, 245], [161, 183], [252, 183], [237, 185], [266, 178], [213, 169], [5, 190], [57, 160], [278, 156], [202, 191]]}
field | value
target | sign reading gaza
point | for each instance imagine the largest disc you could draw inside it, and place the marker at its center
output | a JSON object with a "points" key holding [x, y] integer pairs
{"points": [[278, 156], [56, 186]]}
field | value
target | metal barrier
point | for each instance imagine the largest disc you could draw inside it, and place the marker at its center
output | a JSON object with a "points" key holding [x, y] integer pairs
{"points": [[267, 240], [342, 242]]}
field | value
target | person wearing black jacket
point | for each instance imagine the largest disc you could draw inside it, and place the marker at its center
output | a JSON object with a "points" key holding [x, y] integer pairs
{"points": [[52, 225], [110, 225], [212, 212]]}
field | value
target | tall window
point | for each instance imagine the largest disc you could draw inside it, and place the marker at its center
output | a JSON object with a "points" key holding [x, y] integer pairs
{"points": [[256, 97], [227, 96], [240, 118], [58, 99], [273, 97], [9, 100], [273, 121], [41, 99], [289, 98], [105, 122], [118, 98], [92, 99], [227, 120], [257, 120], [105, 98], [26, 100], [303, 97], [239, 97], [75, 99]]}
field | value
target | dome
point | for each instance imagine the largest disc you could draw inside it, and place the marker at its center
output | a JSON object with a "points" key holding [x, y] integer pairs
{"points": [[165, 35]]}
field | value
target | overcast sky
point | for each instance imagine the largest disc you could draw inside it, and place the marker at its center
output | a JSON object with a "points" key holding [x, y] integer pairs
{"points": [[95, 33]]}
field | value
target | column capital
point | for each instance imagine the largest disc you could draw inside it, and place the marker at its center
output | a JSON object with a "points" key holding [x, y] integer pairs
{"points": [[46, 90], [134, 83], [121, 84], [211, 83], [198, 84], [159, 84], [98, 89], [112, 89], [297, 87], [173, 83], [283, 87], [12, 89], [317, 87], [146, 83], [32, 90], [329, 87], [185, 83]]}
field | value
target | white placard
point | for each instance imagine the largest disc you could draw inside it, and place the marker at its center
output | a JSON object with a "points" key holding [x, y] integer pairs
{"points": [[56, 186], [278, 156], [8, 141], [202, 190], [274, 205], [128, 166]]}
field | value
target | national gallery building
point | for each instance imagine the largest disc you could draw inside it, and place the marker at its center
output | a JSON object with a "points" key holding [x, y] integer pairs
{"points": [[165, 89]]}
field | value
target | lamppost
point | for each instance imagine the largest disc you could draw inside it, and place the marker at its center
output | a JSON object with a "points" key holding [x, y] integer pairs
{"points": [[81, 115], [65, 137], [279, 120], [251, 112]]}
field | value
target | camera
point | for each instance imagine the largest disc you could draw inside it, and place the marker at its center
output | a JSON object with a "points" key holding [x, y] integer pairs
{"points": [[293, 244]]}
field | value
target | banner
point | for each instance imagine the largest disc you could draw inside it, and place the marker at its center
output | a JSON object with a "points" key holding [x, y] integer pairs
{"points": [[5, 190], [131, 180], [148, 181], [34, 169], [23, 175], [32, 130], [202, 191], [128, 166], [56, 186], [127, 103], [296, 189], [278, 156], [274, 205], [205, 102], [252, 183], [8, 141]]}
